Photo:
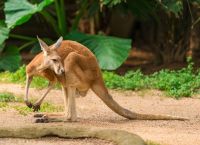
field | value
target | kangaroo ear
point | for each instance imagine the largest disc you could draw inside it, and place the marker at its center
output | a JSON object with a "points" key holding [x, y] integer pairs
{"points": [[58, 43], [43, 45]]}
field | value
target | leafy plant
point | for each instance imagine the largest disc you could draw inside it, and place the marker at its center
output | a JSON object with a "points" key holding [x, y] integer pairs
{"points": [[111, 3], [114, 50], [18, 12], [173, 6], [10, 59], [111, 52], [4, 31], [180, 83], [130, 81]]}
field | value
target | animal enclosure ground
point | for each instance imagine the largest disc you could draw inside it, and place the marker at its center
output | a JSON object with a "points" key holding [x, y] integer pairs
{"points": [[53, 141], [92, 112]]}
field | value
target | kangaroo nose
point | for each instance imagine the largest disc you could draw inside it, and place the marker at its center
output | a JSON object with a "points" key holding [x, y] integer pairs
{"points": [[62, 70]]}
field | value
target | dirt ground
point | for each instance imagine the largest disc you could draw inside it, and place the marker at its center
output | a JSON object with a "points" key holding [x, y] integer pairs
{"points": [[93, 112]]}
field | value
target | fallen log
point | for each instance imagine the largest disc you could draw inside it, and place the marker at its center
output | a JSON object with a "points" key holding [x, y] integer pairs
{"points": [[31, 131]]}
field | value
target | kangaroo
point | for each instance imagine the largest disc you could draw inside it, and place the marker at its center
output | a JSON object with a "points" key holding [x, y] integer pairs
{"points": [[32, 70], [76, 68]]}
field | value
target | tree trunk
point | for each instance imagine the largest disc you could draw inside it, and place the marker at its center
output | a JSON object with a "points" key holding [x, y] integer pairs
{"points": [[173, 35], [195, 34]]}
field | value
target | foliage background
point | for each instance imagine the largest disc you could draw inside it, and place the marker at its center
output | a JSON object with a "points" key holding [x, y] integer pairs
{"points": [[169, 29]]}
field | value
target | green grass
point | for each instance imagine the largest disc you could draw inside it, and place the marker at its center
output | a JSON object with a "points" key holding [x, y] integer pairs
{"points": [[23, 110], [3, 104], [151, 143], [19, 77], [45, 107], [48, 107], [10, 97], [179, 83], [6, 98]]}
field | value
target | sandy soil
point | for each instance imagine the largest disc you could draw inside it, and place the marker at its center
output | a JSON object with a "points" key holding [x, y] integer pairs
{"points": [[53, 141], [92, 112]]}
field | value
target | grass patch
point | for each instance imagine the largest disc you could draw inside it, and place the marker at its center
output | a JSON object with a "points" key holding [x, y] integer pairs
{"points": [[19, 77], [7, 97], [180, 83], [15, 77], [10, 97], [46, 107], [3, 104], [151, 143], [23, 110], [39, 83]]}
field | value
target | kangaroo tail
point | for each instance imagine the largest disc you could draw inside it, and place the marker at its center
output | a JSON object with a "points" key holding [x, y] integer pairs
{"points": [[103, 94]]}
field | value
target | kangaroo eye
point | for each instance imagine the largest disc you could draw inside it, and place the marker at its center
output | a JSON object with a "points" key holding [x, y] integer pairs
{"points": [[54, 60]]}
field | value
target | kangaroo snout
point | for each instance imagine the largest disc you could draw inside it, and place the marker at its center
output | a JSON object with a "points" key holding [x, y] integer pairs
{"points": [[62, 70]]}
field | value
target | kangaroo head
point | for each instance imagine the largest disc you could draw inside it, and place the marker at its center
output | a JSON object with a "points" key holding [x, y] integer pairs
{"points": [[51, 58]]}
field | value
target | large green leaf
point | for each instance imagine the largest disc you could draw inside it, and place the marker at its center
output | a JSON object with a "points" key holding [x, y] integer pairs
{"points": [[19, 11], [10, 59], [111, 52], [111, 3], [142, 8], [3, 34], [175, 6]]}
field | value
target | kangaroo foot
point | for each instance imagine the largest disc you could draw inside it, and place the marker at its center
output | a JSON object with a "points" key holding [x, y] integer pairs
{"points": [[70, 117], [70, 120], [43, 119], [38, 115], [47, 119]]}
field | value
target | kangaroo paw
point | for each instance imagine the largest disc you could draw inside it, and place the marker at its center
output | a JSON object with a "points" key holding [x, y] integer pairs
{"points": [[29, 104], [36, 107]]}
